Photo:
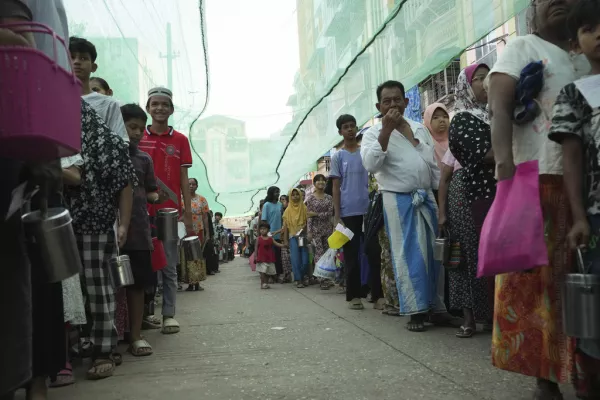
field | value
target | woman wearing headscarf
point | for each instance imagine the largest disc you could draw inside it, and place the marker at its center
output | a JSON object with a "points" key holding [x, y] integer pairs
{"points": [[471, 145], [294, 220], [286, 261], [437, 119], [528, 331]]}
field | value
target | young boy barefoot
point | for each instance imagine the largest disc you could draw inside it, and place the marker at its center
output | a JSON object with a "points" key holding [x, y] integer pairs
{"points": [[265, 255], [576, 125]]}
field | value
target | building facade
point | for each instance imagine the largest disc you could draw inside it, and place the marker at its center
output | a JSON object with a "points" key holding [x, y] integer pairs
{"points": [[222, 144]]}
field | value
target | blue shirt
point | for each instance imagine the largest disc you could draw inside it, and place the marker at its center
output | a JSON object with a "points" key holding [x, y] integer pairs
{"points": [[272, 213], [354, 182]]}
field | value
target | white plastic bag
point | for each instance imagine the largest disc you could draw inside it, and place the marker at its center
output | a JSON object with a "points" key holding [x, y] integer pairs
{"points": [[325, 266]]}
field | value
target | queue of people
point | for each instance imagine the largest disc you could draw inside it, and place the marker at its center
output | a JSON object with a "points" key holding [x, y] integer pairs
{"points": [[129, 168], [405, 181], [440, 178]]}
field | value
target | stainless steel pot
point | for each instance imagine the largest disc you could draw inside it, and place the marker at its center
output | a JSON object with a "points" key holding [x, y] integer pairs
{"points": [[441, 248], [119, 270], [581, 303], [56, 241], [301, 241], [166, 225], [192, 248]]}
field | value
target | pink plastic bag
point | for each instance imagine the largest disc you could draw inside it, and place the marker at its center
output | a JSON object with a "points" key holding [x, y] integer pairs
{"points": [[252, 262], [512, 237]]}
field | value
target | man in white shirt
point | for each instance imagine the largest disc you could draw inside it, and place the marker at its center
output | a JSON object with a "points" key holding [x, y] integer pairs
{"points": [[83, 55], [400, 154]]}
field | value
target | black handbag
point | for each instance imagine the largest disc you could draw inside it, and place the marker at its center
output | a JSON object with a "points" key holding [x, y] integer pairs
{"points": [[374, 217]]}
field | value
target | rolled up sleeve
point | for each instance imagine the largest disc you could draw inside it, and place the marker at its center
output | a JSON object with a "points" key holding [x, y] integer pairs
{"points": [[370, 151]]}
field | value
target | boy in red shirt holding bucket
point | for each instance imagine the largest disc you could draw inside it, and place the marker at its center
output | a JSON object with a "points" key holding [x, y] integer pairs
{"points": [[172, 156]]}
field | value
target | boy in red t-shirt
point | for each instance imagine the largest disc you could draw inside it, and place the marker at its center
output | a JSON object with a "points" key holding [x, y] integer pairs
{"points": [[265, 254], [171, 154]]}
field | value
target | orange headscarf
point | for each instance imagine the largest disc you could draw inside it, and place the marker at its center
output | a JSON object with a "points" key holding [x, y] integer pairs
{"points": [[440, 139]]}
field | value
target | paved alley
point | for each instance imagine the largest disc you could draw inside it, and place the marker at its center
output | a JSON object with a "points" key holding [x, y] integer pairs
{"points": [[240, 342]]}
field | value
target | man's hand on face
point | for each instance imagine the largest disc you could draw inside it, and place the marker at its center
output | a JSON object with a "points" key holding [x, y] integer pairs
{"points": [[392, 119]]}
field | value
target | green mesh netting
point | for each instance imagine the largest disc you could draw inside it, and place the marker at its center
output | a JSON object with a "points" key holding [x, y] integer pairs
{"points": [[279, 72]]}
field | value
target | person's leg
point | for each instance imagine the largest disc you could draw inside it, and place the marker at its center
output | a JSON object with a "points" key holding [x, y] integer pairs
{"points": [[374, 254], [263, 280], [15, 294], [97, 251], [169, 274], [305, 265], [135, 304], [211, 261], [296, 260], [278, 264], [351, 258]]}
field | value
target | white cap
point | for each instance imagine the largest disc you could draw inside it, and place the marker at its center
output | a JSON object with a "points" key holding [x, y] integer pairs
{"points": [[160, 91]]}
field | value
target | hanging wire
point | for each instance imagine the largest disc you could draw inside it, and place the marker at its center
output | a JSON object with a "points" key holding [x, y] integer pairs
{"points": [[206, 97], [125, 41], [391, 17]]}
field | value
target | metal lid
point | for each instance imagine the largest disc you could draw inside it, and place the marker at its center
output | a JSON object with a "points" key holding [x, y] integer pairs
{"points": [[167, 211], [56, 216], [119, 260]]}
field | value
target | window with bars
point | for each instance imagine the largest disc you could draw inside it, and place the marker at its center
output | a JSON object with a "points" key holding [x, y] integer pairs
{"points": [[522, 22], [440, 85], [485, 46]]}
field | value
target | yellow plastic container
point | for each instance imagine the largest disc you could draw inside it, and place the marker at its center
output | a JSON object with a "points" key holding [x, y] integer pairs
{"points": [[337, 240]]}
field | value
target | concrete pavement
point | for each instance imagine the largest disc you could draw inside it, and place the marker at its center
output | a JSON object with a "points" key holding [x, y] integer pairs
{"points": [[240, 342]]}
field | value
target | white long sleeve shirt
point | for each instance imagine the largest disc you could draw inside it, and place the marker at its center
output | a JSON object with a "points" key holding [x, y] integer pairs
{"points": [[403, 167], [110, 110]]}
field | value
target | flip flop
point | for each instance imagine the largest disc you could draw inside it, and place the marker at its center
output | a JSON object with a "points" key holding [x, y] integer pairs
{"points": [[379, 304], [151, 322], [391, 311], [356, 304], [63, 378], [465, 332], [170, 326], [94, 376], [136, 347]]}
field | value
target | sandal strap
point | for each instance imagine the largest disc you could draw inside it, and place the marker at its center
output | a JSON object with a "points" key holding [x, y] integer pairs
{"points": [[102, 361]]}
